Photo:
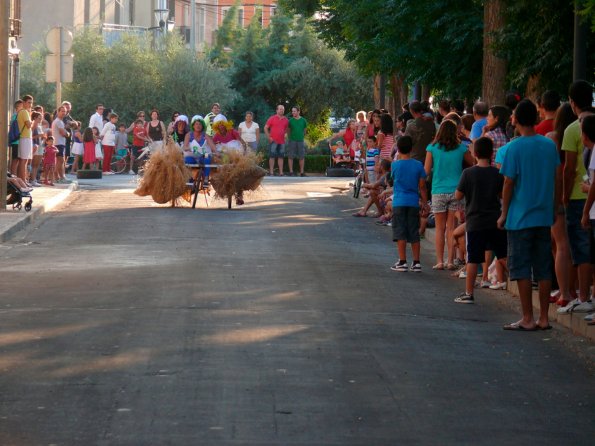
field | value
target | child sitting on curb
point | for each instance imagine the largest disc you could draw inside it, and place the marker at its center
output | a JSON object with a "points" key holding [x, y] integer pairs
{"points": [[409, 182], [375, 189]]}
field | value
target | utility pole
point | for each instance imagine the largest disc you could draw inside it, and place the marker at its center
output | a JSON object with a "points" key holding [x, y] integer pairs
{"points": [[193, 27], [4, 111]]}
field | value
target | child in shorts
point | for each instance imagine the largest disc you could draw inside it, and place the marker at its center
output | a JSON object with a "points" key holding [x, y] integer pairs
{"points": [[372, 157], [409, 183], [481, 186]]}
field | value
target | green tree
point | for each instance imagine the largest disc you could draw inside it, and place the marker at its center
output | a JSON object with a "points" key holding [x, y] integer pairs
{"points": [[33, 78], [131, 76]]}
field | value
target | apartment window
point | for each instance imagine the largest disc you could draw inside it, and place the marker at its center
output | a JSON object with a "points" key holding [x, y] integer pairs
{"points": [[131, 12], [201, 24], [118, 13], [224, 11], [241, 17]]}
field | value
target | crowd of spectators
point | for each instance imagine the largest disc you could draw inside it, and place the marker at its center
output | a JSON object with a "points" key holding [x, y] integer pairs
{"points": [[508, 187]]}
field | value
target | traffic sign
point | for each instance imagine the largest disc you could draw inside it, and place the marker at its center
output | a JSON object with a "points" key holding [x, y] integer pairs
{"points": [[58, 40]]}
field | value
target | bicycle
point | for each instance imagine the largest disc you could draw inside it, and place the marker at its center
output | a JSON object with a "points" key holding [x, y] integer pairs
{"points": [[359, 180], [119, 161]]}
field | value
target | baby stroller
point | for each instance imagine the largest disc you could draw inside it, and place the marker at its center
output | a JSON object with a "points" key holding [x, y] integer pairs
{"points": [[16, 197]]}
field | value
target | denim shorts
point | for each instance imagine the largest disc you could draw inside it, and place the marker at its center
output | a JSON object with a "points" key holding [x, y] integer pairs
{"points": [[530, 253], [577, 235], [276, 150], [61, 148], [406, 224], [296, 149], [445, 202]]}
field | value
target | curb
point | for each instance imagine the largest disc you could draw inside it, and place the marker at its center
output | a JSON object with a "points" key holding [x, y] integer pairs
{"points": [[575, 322], [37, 212]]}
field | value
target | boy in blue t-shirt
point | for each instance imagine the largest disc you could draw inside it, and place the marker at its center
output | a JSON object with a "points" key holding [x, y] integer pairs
{"points": [[409, 182]]}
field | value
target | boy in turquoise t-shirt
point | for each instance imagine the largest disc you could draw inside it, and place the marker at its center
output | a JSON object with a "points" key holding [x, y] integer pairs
{"points": [[530, 169]]}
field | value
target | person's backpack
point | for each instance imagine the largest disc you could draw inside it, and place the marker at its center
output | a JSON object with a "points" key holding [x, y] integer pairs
{"points": [[14, 134]]}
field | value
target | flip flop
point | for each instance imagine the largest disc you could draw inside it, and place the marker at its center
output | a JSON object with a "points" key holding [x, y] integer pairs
{"points": [[438, 266], [547, 327], [516, 326]]}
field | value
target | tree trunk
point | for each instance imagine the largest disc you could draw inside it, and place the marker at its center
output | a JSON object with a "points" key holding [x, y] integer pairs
{"points": [[425, 92], [494, 68], [396, 86], [377, 91]]}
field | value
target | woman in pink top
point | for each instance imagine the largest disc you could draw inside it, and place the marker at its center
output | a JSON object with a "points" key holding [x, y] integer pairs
{"points": [[385, 138]]}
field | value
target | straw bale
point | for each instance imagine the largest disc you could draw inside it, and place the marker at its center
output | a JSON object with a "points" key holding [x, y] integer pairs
{"points": [[238, 173], [165, 175]]}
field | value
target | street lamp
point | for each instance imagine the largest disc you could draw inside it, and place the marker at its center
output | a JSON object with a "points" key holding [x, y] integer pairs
{"points": [[162, 14]]}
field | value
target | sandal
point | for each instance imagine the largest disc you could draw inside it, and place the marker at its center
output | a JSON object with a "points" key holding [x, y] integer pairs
{"points": [[450, 267], [438, 266]]}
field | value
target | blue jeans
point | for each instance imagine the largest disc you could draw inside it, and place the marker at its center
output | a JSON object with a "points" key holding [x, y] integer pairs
{"points": [[577, 235], [201, 159]]}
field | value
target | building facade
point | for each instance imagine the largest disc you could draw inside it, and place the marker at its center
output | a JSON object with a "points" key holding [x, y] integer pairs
{"points": [[116, 16]]}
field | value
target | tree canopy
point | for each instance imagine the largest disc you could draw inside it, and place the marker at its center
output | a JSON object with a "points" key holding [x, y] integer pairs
{"points": [[439, 42]]}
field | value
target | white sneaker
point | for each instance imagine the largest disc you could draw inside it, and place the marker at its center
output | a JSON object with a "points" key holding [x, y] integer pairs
{"points": [[35, 184], [498, 286], [584, 307], [131, 172], [576, 306], [590, 317], [463, 274]]}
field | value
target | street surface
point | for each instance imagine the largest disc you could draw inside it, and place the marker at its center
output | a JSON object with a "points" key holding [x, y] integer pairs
{"points": [[123, 322]]}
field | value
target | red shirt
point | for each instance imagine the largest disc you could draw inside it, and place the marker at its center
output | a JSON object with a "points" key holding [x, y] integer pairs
{"points": [[277, 128], [544, 127], [223, 139], [138, 133]]}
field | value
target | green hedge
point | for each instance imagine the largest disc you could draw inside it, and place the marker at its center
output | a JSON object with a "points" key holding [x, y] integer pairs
{"points": [[313, 164]]}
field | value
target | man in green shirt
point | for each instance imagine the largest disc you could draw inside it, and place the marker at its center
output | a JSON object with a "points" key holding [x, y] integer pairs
{"points": [[580, 94], [295, 146]]}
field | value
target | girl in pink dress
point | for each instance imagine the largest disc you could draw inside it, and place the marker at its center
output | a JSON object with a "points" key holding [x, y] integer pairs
{"points": [[49, 161]]}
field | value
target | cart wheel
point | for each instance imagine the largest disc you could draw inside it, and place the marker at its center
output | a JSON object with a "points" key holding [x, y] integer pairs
{"points": [[228, 202], [27, 207]]}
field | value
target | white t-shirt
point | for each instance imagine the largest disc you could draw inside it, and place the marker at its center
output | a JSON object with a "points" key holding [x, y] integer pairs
{"points": [[96, 121], [592, 179], [58, 124], [248, 133], [108, 134]]}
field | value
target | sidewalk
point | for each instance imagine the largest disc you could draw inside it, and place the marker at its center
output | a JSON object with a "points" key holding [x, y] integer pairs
{"points": [[45, 198], [573, 321]]}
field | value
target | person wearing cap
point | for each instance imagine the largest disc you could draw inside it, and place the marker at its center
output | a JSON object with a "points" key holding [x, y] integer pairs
{"points": [[199, 147], [180, 129], [225, 135]]}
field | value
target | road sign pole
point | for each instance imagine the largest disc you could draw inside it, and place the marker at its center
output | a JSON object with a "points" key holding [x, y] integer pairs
{"points": [[4, 111], [59, 69]]}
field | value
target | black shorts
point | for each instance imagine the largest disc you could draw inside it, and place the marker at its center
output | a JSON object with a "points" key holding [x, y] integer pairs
{"points": [[406, 224], [135, 151], [60, 150], [478, 242], [14, 148]]}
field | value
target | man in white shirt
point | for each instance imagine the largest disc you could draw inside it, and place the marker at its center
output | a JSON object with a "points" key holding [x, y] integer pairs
{"points": [[97, 118], [59, 132]]}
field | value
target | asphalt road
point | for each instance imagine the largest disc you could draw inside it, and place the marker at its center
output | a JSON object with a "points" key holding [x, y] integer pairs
{"points": [[280, 323]]}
